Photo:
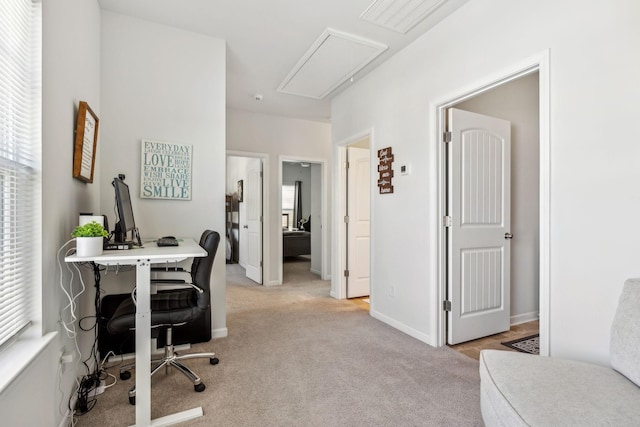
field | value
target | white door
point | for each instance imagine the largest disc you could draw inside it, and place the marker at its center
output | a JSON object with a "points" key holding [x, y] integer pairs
{"points": [[479, 234], [253, 198], [358, 201]]}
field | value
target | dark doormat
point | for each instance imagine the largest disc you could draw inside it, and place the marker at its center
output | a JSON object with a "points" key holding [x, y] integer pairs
{"points": [[530, 344]]}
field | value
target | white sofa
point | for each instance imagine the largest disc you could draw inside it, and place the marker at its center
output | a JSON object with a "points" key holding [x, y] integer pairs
{"points": [[518, 389]]}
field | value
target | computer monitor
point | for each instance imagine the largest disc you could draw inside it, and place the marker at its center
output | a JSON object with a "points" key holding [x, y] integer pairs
{"points": [[126, 223]]}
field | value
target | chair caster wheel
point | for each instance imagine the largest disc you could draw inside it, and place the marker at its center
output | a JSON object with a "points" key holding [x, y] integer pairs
{"points": [[214, 360], [199, 387], [125, 375], [132, 400]]}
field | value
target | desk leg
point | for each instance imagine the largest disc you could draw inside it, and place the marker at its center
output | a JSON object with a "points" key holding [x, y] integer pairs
{"points": [[143, 343], [143, 356]]}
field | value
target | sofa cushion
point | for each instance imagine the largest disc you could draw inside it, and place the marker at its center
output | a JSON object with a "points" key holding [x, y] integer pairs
{"points": [[520, 389], [625, 332]]}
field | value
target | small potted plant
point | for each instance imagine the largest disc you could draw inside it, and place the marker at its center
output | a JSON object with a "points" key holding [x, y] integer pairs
{"points": [[89, 239]]}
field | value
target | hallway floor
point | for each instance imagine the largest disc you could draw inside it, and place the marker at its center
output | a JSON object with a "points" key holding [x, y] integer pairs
{"points": [[296, 270], [472, 348]]}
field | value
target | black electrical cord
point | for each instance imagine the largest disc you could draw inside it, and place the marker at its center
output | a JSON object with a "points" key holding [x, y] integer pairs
{"points": [[86, 401], [91, 381]]}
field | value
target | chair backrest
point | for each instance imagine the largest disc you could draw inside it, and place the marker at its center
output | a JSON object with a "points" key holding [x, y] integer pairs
{"points": [[625, 333], [201, 267]]}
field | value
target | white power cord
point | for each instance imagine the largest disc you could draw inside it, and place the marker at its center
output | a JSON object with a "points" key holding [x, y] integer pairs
{"points": [[69, 326]]}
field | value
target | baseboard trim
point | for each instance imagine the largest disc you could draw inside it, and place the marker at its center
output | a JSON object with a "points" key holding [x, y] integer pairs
{"points": [[65, 421], [219, 333], [316, 271], [420, 336], [524, 318]]}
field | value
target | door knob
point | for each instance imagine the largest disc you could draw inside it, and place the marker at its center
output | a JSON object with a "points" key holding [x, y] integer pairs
{"points": [[245, 226], [508, 235]]}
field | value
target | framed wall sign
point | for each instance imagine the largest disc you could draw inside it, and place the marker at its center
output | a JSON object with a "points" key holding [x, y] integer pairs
{"points": [[165, 170], [385, 170], [84, 150]]}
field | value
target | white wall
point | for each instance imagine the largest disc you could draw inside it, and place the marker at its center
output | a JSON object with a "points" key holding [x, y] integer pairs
{"points": [[67, 79], [236, 171], [593, 90], [166, 84], [69, 27], [517, 102], [316, 212], [278, 136]]}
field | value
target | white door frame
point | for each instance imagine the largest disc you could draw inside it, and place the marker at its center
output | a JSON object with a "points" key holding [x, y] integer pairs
{"points": [[323, 212], [539, 63], [264, 158], [338, 281]]}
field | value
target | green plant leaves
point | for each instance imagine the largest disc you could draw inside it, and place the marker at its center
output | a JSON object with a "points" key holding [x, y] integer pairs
{"points": [[90, 229]]}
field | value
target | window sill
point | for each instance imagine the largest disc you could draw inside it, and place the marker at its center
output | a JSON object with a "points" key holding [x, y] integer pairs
{"points": [[17, 357]]}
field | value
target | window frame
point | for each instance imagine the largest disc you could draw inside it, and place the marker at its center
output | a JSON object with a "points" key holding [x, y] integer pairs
{"points": [[21, 173]]}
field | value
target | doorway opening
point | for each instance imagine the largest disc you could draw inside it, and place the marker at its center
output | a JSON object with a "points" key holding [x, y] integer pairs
{"points": [[246, 213], [530, 195], [352, 275], [302, 232]]}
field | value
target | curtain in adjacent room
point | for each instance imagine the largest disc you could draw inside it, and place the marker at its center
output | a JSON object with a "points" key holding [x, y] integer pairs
{"points": [[297, 203]]}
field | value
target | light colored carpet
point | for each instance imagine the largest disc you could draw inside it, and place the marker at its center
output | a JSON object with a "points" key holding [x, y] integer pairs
{"points": [[297, 357]]}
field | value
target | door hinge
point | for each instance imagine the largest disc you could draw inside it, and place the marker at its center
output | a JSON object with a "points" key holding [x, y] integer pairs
{"points": [[346, 219], [446, 137], [260, 263], [346, 165], [446, 305], [346, 273], [447, 221]]}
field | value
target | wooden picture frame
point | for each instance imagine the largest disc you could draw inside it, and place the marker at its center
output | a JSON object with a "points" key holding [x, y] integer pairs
{"points": [[84, 150]]}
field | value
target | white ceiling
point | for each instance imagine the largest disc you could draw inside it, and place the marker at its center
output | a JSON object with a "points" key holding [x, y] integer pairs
{"points": [[266, 39]]}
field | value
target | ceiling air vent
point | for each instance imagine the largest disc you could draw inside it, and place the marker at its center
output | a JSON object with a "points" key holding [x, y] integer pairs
{"points": [[333, 58], [400, 15]]}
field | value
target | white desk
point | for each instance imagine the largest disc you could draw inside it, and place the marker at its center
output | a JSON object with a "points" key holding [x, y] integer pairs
{"points": [[142, 258]]}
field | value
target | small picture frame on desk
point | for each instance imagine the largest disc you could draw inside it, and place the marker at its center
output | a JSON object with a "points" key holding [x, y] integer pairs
{"points": [[84, 150]]}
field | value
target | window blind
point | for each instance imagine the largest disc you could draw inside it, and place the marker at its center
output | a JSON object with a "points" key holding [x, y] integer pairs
{"points": [[20, 146], [288, 192]]}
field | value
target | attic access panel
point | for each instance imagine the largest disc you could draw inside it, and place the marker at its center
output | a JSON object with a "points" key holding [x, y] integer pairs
{"points": [[333, 58], [400, 15]]}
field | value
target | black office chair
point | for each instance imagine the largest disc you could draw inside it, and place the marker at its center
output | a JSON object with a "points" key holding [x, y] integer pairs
{"points": [[171, 308]]}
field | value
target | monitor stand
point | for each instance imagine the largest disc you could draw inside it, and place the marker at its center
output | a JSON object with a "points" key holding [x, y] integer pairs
{"points": [[120, 239], [111, 246], [136, 236]]}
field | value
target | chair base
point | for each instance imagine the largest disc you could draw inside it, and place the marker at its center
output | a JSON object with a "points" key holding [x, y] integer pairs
{"points": [[171, 360]]}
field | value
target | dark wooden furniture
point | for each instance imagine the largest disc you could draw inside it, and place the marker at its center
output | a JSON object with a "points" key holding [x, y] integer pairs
{"points": [[295, 243], [233, 227]]}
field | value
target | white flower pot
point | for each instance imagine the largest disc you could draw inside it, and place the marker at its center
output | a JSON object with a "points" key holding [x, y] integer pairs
{"points": [[89, 246]]}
